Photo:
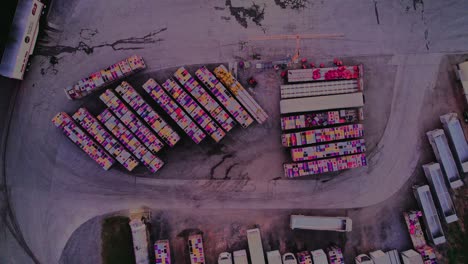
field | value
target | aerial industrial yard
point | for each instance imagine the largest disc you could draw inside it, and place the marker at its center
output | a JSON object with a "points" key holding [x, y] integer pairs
{"points": [[219, 147]]}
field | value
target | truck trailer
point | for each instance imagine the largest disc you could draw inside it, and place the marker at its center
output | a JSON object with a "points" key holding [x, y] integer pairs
{"points": [[411, 257], [457, 140], [140, 241], [255, 246], [320, 103], [323, 223], [274, 257], [431, 218], [435, 178], [379, 257]]}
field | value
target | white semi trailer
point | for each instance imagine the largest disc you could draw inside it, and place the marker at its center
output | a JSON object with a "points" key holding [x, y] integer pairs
{"points": [[324, 223], [255, 246], [431, 218], [457, 140]]}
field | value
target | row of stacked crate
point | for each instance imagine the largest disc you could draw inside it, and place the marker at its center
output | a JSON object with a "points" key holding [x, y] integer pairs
{"points": [[417, 236], [105, 77], [162, 252], [224, 96], [172, 109], [320, 119], [194, 110], [205, 99], [322, 135], [292, 170], [328, 150], [197, 254], [241, 94], [325, 74], [130, 120], [131, 96], [79, 137], [130, 141], [104, 138]]}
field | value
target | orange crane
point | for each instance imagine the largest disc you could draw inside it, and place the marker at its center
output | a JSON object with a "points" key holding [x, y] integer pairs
{"points": [[298, 37]]}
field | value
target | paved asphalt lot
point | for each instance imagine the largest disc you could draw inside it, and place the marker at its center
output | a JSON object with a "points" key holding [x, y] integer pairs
{"points": [[403, 45]]}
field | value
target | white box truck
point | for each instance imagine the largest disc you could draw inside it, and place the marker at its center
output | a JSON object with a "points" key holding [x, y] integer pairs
{"points": [[411, 257], [274, 257], [324, 223], [379, 257], [431, 218], [240, 257], [457, 140], [255, 246]]}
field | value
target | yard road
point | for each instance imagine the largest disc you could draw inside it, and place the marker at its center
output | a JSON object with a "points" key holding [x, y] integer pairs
{"points": [[403, 45]]}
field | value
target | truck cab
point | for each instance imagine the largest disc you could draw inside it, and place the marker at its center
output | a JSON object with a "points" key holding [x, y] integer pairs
{"points": [[225, 258], [363, 259], [289, 258]]}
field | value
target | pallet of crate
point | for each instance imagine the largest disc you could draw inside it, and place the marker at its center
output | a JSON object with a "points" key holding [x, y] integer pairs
{"points": [[197, 253], [173, 110], [241, 94], [325, 74], [162, 252], [304, 257], [328, 150], [132, 98], [320, 119], [292, 170], [130, 141], [322, 135], [105, 77], [105, 139], [129, 119], [204, 99], [224, 97], [81, 139], [194, 110]]}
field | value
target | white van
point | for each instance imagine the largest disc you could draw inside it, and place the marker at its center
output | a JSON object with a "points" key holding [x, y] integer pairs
{"points": [[324, 223]]}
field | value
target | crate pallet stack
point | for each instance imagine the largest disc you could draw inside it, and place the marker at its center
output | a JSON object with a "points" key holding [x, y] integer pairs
{"points": [[320, 119], [131, 96], [205, 99], [328, 150], [224, 96], [241, 94], [322, 135], [130, 141], [107, 141], [79, 137], [130, 120], [162, 252], [325, 74], [177, 114], [304, 257], [319, 88], [194, 110], [292, 170], [335, 255], [197, 254], [105, 77]]}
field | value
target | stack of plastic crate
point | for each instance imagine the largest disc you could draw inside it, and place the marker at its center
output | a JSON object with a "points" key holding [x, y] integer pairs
{"points": [[105, 77], [328, 150], [304, 257], [325, 74], [129, 140], [100, 134], [241, 94], [319, 119], [130, 120], [173, 110], [205, 99], [224, 96], [197, 254], [194, 110], [129, 95], [292, 170], [322, 135], [79, 137], [162, 252]]}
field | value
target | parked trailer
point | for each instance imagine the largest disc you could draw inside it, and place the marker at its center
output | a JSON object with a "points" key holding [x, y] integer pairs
{"points": [[173, 110], [240, 257], [321, 103], [274, 257], [462, 73], [63, 121], [292, 170], [319, 256], [241, 94], [325, 74], [322, 135], [162, 252], [255, 246], [224, 97], [435, 178], [197, 254], [321, 119], [457, 140], [393, 256], [140, 241], [379, 257], [328, 150], [319, 88], [324, 223], [411, 257], [304, 257], [444, 156], [431, 218]]}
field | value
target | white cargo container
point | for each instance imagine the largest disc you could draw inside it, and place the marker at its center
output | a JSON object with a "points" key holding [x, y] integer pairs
{"points": [[411, 257], [319, 256], [324, 223], [274, 257], [435, 178], [431, 218], [444, 156], [240, 257], [255, 246], [457, 140], [379, 257], [393, 256], [318, 103]]}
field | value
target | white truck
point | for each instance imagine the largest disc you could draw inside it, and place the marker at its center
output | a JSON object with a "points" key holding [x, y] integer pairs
{"points": [[457, 140], [411, 257], [225, 258], [255, 246], [323, 223], [274, 257], [379, 257], [240, 257], [319, 256], [431, 218]]}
